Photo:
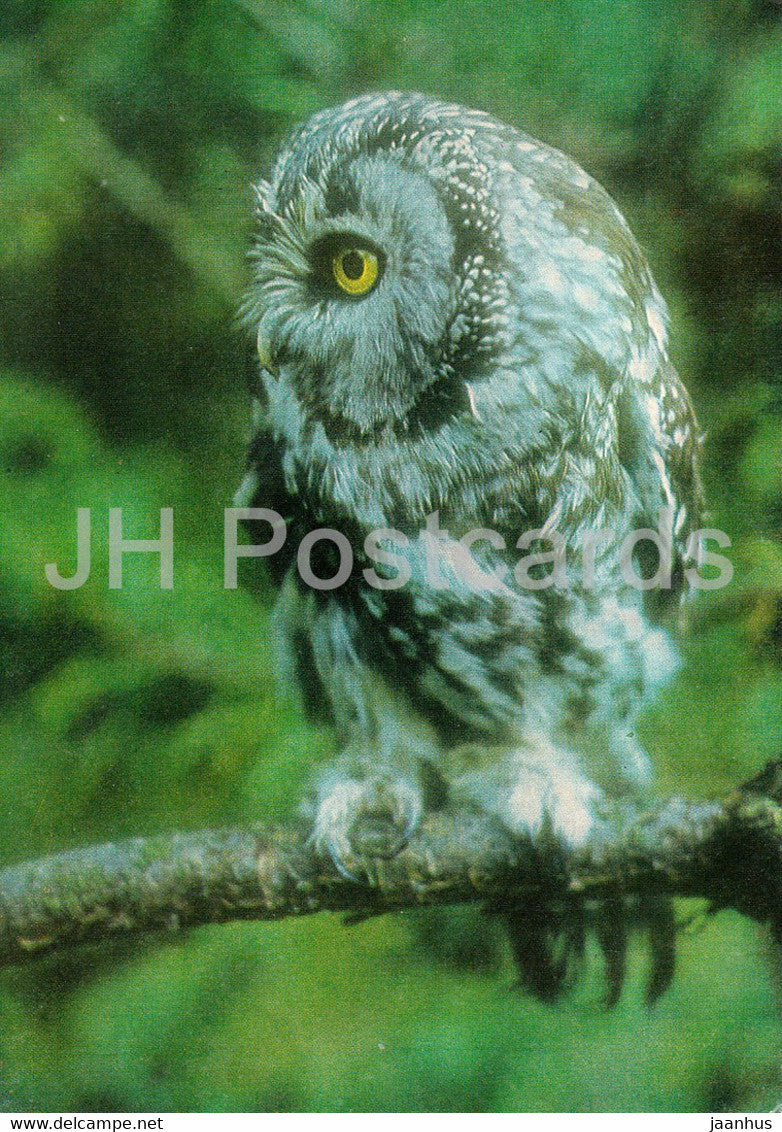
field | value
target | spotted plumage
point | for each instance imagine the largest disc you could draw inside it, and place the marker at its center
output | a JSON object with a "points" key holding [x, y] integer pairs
{"points": [[507, 371]]}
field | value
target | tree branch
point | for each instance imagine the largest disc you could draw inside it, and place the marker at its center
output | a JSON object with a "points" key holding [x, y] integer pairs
{"points": [[729, 852]]}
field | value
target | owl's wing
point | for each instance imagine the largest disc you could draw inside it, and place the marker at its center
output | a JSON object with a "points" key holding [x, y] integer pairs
{"points": [[263, 486], [659, 443], [680, 458]]}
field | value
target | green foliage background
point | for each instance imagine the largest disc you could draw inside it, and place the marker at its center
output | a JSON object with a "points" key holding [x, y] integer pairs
{"points": [[130, 131]]}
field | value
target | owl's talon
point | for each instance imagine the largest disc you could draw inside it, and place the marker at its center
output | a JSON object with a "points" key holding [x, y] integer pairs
{"points": [[377, 835], [338, 860], [358, 820]]}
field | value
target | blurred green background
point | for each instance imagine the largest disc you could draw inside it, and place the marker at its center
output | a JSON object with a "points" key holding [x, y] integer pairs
{"points": [[129, 136]]}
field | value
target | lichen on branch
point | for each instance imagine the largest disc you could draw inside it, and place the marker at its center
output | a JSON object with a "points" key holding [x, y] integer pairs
{"points": [[729, 852]]}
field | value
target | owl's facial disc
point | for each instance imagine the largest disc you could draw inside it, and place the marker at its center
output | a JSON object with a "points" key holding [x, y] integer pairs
{"points": [[355, 293]]}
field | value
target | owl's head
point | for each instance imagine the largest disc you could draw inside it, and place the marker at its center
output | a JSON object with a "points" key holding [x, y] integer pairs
{"points": [[378, 288]]}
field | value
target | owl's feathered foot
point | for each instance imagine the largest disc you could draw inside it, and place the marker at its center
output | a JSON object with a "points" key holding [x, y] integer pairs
{"points": [[548, 939], [363, 814], [564, 814], [538, 792]]}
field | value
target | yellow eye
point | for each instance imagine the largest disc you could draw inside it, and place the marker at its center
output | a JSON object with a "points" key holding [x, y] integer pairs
{"points": [[355, 270]]}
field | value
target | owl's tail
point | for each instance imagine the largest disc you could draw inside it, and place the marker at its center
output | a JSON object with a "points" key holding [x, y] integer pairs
{"points": [[549, 943]]}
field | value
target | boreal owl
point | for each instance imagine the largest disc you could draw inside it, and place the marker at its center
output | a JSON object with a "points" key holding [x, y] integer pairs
{"points": [[461, 342]]}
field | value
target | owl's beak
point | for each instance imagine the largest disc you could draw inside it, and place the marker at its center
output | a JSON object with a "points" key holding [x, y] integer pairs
{"points": [[265, 352]]}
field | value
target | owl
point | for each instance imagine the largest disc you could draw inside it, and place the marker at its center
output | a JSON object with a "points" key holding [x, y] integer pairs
{"points": [[464, 372]]}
